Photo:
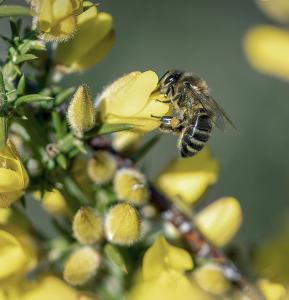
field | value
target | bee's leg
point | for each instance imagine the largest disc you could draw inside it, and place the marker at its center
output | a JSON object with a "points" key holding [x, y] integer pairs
{"points": [[156, 117], [170, 123], [163, 101]]}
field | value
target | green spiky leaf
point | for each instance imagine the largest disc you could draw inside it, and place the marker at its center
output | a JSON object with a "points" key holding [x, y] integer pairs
{"points": [[31, 98], [14, 11], [115, 257]]}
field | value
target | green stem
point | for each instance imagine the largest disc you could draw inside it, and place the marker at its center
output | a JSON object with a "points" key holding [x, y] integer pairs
{"points": [[3, 118]]}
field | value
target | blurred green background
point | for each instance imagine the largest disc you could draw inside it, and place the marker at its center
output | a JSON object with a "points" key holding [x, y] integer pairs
{"points": [[206, 37]]}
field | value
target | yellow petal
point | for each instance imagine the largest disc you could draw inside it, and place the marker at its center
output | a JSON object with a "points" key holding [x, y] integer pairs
{"points": [[128, 95], [169, 285], [47, 288], [276, 9], [131, 100], [84, 50], [267, 49], [187, 179], [271, 290], [6, 199], [220, 221], [10, 181], [162, 256], [12, 255]]}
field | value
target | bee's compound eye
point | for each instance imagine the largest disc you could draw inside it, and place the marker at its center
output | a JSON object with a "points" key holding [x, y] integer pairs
{"points": [[173, 77]]}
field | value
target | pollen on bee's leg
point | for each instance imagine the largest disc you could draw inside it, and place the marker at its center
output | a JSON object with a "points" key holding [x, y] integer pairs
{"points": [[175, 123]]}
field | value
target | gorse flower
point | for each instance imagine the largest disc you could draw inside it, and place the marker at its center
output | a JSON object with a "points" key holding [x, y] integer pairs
{"points": [[56, 19], [131, 100], [13, 176], [86, 49], [220, 220], [267, 48], [187, 179], [17, 254]]}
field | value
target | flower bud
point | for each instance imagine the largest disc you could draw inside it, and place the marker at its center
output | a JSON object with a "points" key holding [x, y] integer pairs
{"points": [[220, 220], [122, 225], [130, 185], [53, 202], [86, 49], [87, 226], [101, 167], [81, 112], [126, 141], [276, 9], [14, 178], [211, 279], [81, 266], [56, 20]]}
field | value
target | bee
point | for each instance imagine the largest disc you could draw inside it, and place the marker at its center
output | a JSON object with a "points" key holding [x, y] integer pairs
{"points": [[195, 112]]}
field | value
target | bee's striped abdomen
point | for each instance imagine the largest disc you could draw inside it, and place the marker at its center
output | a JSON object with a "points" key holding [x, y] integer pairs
{"points": [[195, 136]]}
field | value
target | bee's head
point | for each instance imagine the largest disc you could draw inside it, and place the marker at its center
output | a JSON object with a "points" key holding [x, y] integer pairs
{"points": [[168, 80]]}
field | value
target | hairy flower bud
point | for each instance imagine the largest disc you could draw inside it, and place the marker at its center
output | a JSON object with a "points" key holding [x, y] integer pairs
{"points": [[53, 202], [122, 225], [81, 112], [130, 185], [13, 176], [126, 141], [101, 168], [211, 279], [87, 226], [220, 220], [81, 266]]}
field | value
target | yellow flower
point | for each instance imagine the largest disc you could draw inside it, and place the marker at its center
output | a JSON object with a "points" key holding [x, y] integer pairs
{"points": [[92, 41], [17, 254], [122, 224], [53, 202], [56, 19], [130, 100], [163, 275], [45, 288], [81, 112], [187, 179], [81, 266], [220, 221], [267, 49], [271, 291], [13, 176], [162, 256], [276, 9]]}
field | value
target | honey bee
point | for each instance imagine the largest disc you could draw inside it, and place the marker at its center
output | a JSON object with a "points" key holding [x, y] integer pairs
{"points": [[195, 112]]}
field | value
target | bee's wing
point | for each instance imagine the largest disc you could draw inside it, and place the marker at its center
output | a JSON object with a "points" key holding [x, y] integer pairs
{"points": [[213, 108]]}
